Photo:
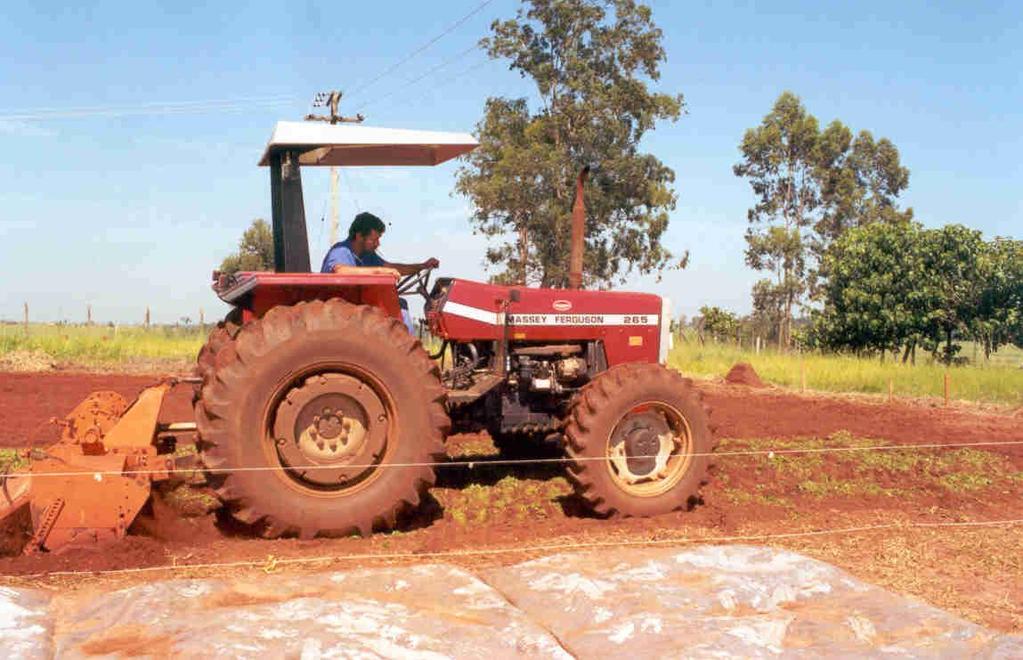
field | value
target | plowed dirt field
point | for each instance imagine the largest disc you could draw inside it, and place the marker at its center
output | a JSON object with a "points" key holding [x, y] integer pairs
{"points": [[499, 513], [29, 401]]}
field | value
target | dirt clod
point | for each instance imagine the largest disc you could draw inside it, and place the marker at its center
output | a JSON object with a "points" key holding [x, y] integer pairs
{"points": [[743, 373]]}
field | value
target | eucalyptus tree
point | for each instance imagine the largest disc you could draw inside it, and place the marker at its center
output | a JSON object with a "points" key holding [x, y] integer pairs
{"points": [[591, 64]]}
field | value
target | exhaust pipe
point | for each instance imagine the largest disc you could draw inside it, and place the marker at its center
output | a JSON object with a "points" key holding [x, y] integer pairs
{"points": [[575, 262]]}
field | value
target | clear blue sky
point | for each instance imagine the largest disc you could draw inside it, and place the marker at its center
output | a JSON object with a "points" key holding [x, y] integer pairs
{"points": [[128, 210]]}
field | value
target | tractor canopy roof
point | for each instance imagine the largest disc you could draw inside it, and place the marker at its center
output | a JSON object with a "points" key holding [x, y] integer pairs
{"points": [[354, 144]]}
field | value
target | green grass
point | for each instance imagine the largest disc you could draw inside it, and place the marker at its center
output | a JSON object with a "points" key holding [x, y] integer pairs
{"points": [[999, 381], [508, 499], [901, 473], [11, 459], [100, 345], [1006, 356]]}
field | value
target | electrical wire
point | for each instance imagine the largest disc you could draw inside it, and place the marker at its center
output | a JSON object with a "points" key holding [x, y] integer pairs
{"points": [[412, 100], [351, 191], [420, 49], [166, 108], [237, 104], [413, 81]]}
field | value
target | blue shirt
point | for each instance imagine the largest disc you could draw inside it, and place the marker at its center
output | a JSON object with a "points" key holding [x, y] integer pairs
{"points": [[341, 254]]}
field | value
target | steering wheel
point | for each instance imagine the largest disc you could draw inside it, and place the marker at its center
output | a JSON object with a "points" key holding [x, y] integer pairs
{"points": [[416, 283]]}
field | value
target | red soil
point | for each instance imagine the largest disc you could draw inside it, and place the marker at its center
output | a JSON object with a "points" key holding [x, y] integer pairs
{"points": [[743, 373], [779, 414], [28, 401]]}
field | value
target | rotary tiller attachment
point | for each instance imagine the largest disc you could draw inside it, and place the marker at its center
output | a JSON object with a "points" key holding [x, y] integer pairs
{"points": [[90, 485]]}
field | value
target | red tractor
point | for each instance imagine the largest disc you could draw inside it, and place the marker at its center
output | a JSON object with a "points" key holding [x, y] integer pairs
{"points": [[315, 374], [318, 413]]}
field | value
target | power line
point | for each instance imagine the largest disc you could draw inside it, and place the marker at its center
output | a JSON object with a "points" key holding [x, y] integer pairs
{"points": [[152, 108], [152, 104], [444, 82], [351, 191], [420, 49], [425, 74], [182, 107], [237, 104]]}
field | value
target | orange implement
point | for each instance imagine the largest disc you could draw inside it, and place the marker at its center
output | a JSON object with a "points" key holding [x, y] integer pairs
{"points": [[90, 485]]}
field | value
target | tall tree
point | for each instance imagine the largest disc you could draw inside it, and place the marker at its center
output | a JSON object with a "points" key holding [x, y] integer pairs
{"points": [[591, 62], [810, 186], [255, 250], [860, 181], [766, 316], [779, 159]]}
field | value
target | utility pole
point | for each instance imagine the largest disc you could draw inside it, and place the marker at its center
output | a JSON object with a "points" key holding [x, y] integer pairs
{"points": [[335, 211], [331, 100]]}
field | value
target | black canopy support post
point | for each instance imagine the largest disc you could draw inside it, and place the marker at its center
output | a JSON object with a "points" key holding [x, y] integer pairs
{"points": [[291, 243]]}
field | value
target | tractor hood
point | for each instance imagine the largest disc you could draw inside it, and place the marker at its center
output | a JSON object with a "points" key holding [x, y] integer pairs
{"points": [[355, 144]]}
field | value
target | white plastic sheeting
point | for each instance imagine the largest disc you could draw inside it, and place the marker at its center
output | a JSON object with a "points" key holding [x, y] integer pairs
{"points": [[699, 602]]}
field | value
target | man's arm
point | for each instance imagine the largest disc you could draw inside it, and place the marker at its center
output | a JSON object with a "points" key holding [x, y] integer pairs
{"points": [[412, 269], [344, 269]]}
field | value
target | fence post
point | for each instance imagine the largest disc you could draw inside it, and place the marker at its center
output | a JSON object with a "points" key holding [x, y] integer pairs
{"points": [[948, 386], [26, 318], [147, 318], [88, 315], [202, 321]]}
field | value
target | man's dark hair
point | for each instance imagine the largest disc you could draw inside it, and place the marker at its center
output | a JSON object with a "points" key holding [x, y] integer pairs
{"points": [[364, 223]]}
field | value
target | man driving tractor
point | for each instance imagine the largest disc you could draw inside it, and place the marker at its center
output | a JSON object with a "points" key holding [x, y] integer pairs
{"points": [[357, 254]]}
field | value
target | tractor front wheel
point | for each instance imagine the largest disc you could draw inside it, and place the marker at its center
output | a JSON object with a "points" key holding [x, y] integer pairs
{"points": [[322, 419], [638, 441]]}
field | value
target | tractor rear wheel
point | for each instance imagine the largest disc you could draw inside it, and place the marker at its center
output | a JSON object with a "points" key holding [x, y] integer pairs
{"points": [[638, 441], [303, 415], [222, 334]]}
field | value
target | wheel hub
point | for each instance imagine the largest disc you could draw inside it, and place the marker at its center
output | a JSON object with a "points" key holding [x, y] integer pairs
{"points": [[332, 435], [330, 430], [641, 447]]}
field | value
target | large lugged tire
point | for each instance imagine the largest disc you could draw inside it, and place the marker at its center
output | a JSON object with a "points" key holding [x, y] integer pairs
{"points": [[325, 395], [221, 335], [637, 439]]}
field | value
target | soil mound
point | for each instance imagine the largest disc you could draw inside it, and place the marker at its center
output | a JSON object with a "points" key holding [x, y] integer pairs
{"points": [[743, 373]]}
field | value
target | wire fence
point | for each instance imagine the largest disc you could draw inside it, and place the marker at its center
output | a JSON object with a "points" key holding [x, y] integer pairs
{"points": [[271, 563], [488, 461]]}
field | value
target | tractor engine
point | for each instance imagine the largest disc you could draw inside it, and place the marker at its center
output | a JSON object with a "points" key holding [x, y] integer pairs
{"points": [[513, 357]]}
